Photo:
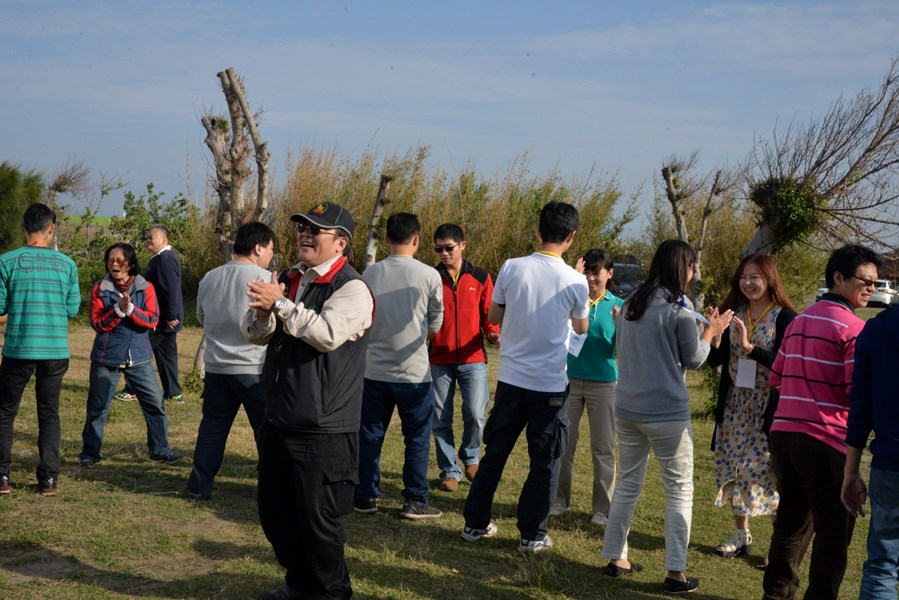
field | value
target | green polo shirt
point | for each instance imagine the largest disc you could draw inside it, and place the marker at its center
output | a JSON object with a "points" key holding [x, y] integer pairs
{"points": [[596, 362]]}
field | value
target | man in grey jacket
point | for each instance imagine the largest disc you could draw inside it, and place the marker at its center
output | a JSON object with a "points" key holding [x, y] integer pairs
{"points": [[233, 365]]}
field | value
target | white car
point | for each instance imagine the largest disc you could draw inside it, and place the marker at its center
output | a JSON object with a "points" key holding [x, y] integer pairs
{"points": [[884, 295]]}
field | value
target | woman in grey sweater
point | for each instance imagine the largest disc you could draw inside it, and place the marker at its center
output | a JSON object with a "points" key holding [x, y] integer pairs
{"points": [[658, 340]]}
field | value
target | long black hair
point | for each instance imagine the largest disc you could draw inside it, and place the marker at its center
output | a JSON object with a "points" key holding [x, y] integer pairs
{"points": [[668, 270]]}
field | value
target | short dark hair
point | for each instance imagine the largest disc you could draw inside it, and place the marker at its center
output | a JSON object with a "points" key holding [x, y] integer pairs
{"points": [[130, 255], [449, 231], [38, 217], [250, 234], [596, 259], [402, 227], [847, 259], [557, 221], [160, 227]]}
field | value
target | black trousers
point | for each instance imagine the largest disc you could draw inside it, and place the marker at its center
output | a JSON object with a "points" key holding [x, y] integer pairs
{"points": [[165, 349], [14, 376], [809, 477], [306, 484]]}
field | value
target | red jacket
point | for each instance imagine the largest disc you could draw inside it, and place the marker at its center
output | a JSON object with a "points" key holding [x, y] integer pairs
{"points": [[465, 305]]}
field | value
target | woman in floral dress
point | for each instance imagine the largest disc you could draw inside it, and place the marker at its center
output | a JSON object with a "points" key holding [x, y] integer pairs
{"points": [[746, 402]]}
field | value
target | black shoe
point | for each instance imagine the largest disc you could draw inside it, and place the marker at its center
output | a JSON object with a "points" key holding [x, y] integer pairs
{"points": [[47, 487], [676, 586], [170, 458], [282, 593], [196, 495], [88, 461], [419, 510], [613, 570], [365, 505], [5, 484]]}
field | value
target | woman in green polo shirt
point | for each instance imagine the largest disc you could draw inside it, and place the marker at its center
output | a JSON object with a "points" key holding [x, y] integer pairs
{"points": [[592, 375]]}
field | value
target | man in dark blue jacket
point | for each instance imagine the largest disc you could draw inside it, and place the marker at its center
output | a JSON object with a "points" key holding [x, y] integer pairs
{"points": [[164, 272], [875, 406]]}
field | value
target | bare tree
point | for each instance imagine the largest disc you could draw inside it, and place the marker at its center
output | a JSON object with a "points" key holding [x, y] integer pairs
{"points": [[836, 175], [228, 139], [684, 189]]}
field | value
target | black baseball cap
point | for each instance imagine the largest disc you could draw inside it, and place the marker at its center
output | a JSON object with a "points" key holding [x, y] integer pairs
{"points": [[328, 215]]}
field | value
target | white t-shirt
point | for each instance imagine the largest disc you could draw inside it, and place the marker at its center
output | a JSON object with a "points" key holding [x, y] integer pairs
{"points": [[540, 294]]}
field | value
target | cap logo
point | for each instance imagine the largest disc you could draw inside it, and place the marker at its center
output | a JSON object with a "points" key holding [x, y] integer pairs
{"points": [[319, 210]]}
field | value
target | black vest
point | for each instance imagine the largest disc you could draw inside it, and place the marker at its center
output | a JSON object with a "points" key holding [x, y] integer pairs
{"points": [[311, 391]]}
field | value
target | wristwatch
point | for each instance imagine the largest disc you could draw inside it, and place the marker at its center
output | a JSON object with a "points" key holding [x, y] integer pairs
{"points": [[280, 303]]}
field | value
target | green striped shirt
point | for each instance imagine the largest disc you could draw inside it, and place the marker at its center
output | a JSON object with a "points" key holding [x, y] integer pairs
{"points": [[39, 293]]}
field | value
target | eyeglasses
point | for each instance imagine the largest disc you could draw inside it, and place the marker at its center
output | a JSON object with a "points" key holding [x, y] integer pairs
{"points": [[314, 230], [112, 261], [867, 282], [448, 249]]}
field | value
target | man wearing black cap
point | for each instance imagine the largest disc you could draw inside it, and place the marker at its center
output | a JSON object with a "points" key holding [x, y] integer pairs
{"points": [[313, 372]]}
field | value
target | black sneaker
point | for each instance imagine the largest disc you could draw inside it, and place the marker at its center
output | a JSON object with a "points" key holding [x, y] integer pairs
{"points": [[282, 593], [170, 458], [47, 487], [196, 495], [365, 505], [676, 586], [5, 484], [419, 510], [88, 461]]}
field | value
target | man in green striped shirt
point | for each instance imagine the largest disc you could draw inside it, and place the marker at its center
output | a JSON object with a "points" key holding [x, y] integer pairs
{"points": [[38, 294]]}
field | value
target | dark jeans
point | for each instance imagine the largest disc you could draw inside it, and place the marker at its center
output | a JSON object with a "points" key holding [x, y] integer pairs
{"points": [[544, 418], [305, 490], [103, 382], [14, 376], [165, 349], [415, 404], [223, 395], [809, 477]]}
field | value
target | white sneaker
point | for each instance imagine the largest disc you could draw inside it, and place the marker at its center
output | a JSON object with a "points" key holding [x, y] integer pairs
{"points": [[472, 534], [535, 545], [599, 519], [557, 510]]}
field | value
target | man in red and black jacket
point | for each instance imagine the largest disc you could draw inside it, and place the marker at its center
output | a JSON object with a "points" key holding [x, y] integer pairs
{"points": [[457, 356]]}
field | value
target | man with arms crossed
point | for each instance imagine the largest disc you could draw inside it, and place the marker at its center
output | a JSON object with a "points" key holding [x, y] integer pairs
{"points": [[535, 298], [233, 365], [38, 294], [812, 371], [314, 365], [457, 356]]}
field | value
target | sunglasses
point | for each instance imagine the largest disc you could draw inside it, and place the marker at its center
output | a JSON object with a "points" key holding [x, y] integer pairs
{"points": [[867, 282], [448, 249], [116, 261], [313, 230]]}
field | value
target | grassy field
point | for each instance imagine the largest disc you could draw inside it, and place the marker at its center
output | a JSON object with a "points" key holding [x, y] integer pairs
{"points": [[121, 529]]}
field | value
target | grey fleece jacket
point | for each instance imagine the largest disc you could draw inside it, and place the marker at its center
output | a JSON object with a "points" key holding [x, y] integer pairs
{"points": [[654, 353]]}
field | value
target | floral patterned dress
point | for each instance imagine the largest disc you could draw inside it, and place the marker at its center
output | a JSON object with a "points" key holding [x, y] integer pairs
{"points": [[743, 469]]}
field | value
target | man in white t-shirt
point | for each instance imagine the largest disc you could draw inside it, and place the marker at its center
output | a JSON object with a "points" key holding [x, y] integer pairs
{"points": [[534, 299]]}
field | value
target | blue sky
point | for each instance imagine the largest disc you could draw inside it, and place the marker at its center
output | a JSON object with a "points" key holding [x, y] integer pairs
{"points": [[610, 86]]}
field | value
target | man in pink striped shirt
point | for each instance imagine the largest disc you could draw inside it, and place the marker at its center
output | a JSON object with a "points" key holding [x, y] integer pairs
{"points": [[813, 371]]}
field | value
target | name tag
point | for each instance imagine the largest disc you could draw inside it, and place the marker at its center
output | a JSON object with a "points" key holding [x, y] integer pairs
{"points": [[746, 372]]}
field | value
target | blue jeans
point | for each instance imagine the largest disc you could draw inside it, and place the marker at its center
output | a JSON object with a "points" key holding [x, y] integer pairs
{"points": [[472, 380], [879, 575], [142, 380], [544, 418], [15, 374], [415, 404], [223, 396]]}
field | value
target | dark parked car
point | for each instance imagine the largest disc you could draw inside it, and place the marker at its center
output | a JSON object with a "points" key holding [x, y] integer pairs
{"points": [[627, 277]]}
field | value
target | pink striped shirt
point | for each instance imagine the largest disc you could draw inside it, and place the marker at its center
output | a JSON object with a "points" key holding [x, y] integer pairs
{"points": [[813, 371]]}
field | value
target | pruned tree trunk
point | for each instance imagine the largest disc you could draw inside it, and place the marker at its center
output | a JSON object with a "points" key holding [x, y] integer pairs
{"points": [[227, 140], [763, 242], [707, 211], [371, 249], [676, 201]]}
